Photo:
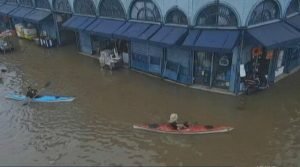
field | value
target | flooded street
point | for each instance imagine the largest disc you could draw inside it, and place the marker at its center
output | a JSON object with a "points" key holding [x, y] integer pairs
{"points": [[96, 129]]}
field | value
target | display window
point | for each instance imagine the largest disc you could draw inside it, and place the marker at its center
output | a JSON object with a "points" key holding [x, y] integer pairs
{"points": [[212, 69]]}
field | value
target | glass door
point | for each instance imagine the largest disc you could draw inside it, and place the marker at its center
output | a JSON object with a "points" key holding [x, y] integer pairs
{"points": [[203, 68]]}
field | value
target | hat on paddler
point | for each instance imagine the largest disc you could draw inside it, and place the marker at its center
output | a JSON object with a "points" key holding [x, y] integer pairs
{"points": [[173, 117]]}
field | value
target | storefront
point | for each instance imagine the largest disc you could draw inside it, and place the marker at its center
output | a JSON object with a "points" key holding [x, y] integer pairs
{"points": [[215, 57], [23, 28], [213, 69], [34, 23], [4, 23], [78, 24], [85, 15], [292, 59], [293, 53], [42, 18], [280, 64], [175, 62], [178, 65], [5, 19], [101, 32], [260, 65], [61, 13], [141, 50], [269, 57]]}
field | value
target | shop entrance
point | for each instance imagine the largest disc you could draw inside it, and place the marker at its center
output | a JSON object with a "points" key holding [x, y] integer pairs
{"points": [[258, 69], [212, 69], [280, 63], [100, 43], [66, 36], [292, 58], [5, 23], [110, 52]]}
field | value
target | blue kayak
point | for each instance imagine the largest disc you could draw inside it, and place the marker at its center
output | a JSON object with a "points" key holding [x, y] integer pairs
{"points": [[42, 98]]}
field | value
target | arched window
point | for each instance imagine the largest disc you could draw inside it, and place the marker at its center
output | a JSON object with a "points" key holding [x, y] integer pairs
{"points": [[11, 1], [176, 16], [294, 7], [26, 3], [62, 6], [42, 4], [111, 8], [217, 15], [86, 7], [265, 11], [145, 10]]}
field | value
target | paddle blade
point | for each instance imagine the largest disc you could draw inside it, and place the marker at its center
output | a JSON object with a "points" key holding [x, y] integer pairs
{"points": [[47, 84], [27, 102]]}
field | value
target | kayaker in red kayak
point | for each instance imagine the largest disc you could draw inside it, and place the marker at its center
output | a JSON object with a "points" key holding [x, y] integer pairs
{"points": [[173, 122]]}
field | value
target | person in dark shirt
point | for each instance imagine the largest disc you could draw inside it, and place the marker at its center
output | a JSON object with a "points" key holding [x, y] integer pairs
{"points": [[31, 93]]}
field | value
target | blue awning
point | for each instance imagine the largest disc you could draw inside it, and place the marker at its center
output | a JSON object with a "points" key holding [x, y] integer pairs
{"points": [[78, 22], [20, 12], [88, 21], [93, 25], [212, 40], [136, 31], [105, 27], [217, 40], [275, 35], [169, 35], [37, 15], [6, 9], [149, 32], [191, 38], [121, 30], [294, 21]]}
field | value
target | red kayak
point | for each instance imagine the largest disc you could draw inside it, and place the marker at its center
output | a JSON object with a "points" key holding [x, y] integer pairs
{"points": [[190, 130]]}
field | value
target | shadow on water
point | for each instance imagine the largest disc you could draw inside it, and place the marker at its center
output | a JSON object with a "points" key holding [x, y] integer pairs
{"points": [[96, 129]]}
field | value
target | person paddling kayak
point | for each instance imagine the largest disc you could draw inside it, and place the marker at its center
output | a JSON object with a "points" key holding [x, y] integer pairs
{"points": [[173, 122], [31, 93]]}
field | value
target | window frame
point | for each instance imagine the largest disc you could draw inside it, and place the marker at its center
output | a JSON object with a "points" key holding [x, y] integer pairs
{"points": [[181, 19], [289, 9], [215, 13], [64, 3], [260, 18], [111, 8], [142, 12], [79, 7], [26, 3], [45, 4]]}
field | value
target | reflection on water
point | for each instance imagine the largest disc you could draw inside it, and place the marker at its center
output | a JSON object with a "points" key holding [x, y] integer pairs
{"points": [[96, 129]]}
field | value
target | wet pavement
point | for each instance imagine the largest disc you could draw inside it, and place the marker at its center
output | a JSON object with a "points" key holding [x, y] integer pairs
{"points": [[96, 129]]}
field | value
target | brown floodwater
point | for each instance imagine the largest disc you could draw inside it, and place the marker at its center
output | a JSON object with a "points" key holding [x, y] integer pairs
{"points": [[96, 129]]}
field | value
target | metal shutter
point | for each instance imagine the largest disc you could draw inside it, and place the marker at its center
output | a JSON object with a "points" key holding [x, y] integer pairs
{"points": [[139, 56], [178, 65], [85, 43], [155, 59]]}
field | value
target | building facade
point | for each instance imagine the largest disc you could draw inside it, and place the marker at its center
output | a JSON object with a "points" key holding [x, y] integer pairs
{"points": [[32, 19], [202, 43]]}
